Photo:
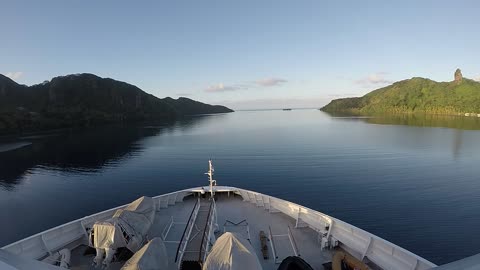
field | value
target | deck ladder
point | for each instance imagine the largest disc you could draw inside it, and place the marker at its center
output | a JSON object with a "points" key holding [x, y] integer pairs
{"points": [[198, 246], [187, 232]]}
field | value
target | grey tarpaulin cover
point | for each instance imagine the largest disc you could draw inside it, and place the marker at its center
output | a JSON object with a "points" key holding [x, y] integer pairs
{"points": [[231, 252], [152, 256], [127, 228]]}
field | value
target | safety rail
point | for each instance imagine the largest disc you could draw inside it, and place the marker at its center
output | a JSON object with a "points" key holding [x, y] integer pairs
{"points": [[44, 243], [292, 242], [272, 244], [187, 231], [380, 251], [167, 229], [385, 254], [207, 232], [288, 235]]}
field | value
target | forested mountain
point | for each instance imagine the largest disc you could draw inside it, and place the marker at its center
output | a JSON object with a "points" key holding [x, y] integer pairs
{"points": [[84, 100], [460, 96]]}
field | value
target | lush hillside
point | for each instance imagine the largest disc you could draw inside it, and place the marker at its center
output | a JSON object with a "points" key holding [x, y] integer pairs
{"points": [[84, 100], [415, 95], [186, 106]]}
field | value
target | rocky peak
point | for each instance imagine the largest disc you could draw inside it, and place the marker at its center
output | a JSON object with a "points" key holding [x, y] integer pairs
{"points": [[458, 76]]}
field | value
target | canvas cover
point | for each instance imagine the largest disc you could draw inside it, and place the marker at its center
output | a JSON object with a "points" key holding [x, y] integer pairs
{"points": [[127, 228], [152, 256], [232, 252]]}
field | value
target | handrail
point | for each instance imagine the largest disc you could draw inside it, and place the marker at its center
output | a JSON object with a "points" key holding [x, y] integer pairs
{"points": [[274, 251], [165, 230], [204, 230], [31, 246], [398, 254], [210, 230], [185, 230], [292, 240]]}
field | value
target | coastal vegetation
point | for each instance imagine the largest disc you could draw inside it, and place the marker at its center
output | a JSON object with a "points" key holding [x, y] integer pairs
{"points": [[84, 100], [458, 97]]}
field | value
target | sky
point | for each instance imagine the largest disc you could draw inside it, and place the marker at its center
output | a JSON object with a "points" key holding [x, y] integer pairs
{"points": [[245, 54]]}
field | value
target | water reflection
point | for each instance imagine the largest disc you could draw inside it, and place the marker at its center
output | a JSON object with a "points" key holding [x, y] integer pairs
{"points": [[459, 123], [456, 122], [457, 143], [419, 120], [79, 151]]}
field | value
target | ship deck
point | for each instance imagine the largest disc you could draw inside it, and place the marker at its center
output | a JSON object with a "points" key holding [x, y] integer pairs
{"points": [[231, 209]]}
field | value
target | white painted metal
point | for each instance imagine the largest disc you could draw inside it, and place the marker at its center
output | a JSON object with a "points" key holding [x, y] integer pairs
{"points": [[292, 242], [210, 228], [210, 178], [381, 252], [272, 244], [167, 229], [189, 229], [288, 235], [367, 248], [353, 239]]}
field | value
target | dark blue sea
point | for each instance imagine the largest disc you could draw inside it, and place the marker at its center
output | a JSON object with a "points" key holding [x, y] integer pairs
{"points": [[413, 180]]}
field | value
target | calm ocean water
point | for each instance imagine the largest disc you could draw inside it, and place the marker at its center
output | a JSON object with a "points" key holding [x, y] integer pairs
{"points": [[414, 181]]}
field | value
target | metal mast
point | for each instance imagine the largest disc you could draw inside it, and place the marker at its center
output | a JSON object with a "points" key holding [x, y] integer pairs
{"points": [[210, 177]]}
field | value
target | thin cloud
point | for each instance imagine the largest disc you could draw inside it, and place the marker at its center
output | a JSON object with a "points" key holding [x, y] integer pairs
{"points": [[270, 82], [477, 79], [374, 79], [14, 75], [224, 88]]}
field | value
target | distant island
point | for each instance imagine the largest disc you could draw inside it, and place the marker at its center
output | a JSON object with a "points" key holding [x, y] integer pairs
{"points": [[458, 97], [81, 100]]}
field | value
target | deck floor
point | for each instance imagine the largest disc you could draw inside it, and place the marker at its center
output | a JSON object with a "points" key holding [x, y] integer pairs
{"points": [[233, 209]]}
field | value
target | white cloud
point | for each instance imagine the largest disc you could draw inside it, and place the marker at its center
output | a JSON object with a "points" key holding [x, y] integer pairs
{"points": [[223, 88], [374, 79], [14, 75], [270, 82], [477, 79]]}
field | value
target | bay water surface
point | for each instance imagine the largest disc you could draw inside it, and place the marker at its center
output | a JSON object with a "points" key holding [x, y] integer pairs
{"points": [[412, 180]]}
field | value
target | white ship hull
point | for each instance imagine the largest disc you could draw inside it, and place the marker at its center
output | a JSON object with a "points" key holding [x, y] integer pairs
{"points": [[292, 229]]}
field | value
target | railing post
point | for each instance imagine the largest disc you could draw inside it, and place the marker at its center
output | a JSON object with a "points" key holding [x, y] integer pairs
{"points": [[367, 248], [330, 229], [298, 217], [414, 267], [188, 230], [273, 245], [45, 244], [292, 242]]}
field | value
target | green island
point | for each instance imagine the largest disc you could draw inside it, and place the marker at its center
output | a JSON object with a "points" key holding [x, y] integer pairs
{"points": [[417, 95], [81, 100]]}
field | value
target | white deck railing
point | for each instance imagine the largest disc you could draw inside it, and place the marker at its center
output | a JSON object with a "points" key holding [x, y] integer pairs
{"points": [[353, 239], [45, 243], [207, 233], [186, 234]]}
